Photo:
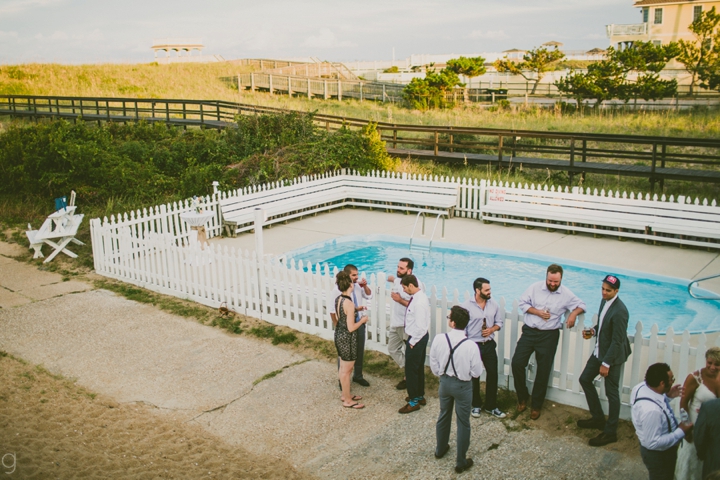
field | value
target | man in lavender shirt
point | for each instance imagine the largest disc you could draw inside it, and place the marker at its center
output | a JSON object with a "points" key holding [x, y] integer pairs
{"points": [[543, 305]]}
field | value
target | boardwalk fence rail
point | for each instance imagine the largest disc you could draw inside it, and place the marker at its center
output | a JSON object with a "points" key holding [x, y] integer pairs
{"points": [[652, 157], [150, 249]]}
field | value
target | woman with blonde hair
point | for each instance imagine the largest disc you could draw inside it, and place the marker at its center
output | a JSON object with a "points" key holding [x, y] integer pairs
{"points": [[346, 337], [700, 386]]}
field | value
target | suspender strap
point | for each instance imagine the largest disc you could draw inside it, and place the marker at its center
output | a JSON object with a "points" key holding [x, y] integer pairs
{"points": [[667, 417], [452, 353]]}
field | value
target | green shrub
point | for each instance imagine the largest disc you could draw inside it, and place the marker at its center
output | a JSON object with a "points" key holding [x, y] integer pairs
{"points": [[149, 164]]}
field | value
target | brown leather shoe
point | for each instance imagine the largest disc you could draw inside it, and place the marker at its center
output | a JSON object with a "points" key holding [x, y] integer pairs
{"points": [[422, 401], [534, 414], [407, 408], [521, 407]]}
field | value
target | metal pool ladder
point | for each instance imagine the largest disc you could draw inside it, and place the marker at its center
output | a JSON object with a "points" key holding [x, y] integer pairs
{"points": [[422, 232], [695, 282]]}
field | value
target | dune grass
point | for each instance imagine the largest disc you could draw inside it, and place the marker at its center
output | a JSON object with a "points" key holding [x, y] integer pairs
{"points": [[206, 82]]}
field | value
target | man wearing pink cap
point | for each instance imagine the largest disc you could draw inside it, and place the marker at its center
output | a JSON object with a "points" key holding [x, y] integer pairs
{"points": [[612, 350]]}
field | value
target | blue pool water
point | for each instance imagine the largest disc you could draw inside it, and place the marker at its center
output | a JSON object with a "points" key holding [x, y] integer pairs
{"points": [[649, 298]]}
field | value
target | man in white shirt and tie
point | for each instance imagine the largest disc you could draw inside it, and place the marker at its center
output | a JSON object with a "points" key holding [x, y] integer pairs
{"points": [[396, 332], [360, 292], [612, 350], [655, 424], [417, 324], [456, 360]]}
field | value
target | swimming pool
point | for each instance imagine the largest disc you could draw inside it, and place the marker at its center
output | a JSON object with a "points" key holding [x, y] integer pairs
{"points": [[649, 298]]}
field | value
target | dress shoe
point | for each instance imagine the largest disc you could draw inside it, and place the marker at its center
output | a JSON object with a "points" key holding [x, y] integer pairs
{"points": [[409, 408], [521, 407], [422, 401], [442, 452], [361, 381], [402, 385], [468, 463], [534, 414], [602, 439], [591, 423]]}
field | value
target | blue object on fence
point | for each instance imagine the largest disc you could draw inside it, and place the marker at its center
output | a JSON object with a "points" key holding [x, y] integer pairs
{"points": [[60, 203]]}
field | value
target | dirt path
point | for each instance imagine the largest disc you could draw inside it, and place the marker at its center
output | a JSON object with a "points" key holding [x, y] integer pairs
{"points": [[164, 372]]}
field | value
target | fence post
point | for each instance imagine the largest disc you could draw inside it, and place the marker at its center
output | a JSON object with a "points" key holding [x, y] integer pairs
{"points": [[252, 82], [437, 136], [383, 99], [239, 85], [500, 147], [394, 136], [339, 89], [325, 90], [361, 91], [652, 168], [572, 160], [270, 83], [289, 80]]}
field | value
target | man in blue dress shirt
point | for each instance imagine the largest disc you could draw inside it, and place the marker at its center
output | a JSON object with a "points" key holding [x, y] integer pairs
{"points": [[544, 304], [655, 424]]}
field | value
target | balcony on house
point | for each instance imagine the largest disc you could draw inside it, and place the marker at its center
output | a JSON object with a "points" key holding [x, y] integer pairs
{"points": [[626, 30]]}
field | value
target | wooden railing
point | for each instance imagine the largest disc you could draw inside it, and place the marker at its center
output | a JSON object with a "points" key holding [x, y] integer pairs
{"points": [[655, 158]]}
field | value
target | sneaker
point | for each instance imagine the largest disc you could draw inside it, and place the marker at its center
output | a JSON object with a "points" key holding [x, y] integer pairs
{"points": [[475, 412], [496, 412]]}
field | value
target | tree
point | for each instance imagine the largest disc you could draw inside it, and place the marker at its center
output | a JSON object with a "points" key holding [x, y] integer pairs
{"points": [[611, 77], [470, 67], [537, 61], [699, 54], [431, 91]]}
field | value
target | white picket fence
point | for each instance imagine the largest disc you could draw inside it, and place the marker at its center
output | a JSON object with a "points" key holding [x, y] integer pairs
{"points": [[149, 249], [297, 296]]}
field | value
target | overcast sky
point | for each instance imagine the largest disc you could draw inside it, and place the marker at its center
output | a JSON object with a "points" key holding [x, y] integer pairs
{"points": [[89, 31]]}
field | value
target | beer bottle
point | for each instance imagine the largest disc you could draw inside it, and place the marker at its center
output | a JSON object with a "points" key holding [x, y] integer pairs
{"points": [[484, 327]]}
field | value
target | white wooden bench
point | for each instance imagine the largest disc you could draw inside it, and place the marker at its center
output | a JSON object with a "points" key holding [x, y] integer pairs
{"points": [[58, 231], [311, 196], [650, 220]]}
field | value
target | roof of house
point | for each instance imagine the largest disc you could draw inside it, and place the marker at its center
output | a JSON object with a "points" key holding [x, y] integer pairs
{"points": [[642, 3]]}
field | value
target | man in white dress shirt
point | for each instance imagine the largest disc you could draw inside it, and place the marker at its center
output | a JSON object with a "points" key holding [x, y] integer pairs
{"points": [[456, 361], [657, 428], [396, 333], [360, 292], [543, 305], [417, 324]]}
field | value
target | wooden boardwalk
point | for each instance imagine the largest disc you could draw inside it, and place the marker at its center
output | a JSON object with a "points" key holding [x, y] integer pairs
{"points": [[655, 158], [621, 169]]}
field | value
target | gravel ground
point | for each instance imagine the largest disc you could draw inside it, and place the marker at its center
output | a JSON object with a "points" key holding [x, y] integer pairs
{"points": [[136, 353]]}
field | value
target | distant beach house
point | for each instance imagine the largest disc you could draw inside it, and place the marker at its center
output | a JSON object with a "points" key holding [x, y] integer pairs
{"points": [[663, 21]]}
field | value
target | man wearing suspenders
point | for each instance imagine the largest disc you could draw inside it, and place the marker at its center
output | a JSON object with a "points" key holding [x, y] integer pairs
{"points": [[456, 361], [657, 428]]}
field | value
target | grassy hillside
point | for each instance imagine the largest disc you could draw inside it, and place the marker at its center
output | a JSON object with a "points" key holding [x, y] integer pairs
{"points": [[203, 81]]}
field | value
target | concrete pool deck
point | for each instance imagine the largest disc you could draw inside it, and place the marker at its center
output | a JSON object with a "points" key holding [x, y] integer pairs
{"points": [[666, 260]]}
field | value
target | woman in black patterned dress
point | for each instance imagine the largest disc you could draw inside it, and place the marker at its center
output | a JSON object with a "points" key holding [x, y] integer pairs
{"points": [[346, 337]]}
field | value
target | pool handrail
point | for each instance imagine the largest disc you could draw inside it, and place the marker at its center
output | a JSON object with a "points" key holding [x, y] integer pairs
{"points": [[422, 232], [694, 282]]}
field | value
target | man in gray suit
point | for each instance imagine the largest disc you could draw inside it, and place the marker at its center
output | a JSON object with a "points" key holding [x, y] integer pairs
{"points": [[707, 436], [612, 349]]}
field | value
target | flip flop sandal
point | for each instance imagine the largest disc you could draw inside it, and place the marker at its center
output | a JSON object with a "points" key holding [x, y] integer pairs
{"points": [[354, 406], [355, 398]]}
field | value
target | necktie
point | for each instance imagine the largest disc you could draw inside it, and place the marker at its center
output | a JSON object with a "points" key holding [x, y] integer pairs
{"points": [[406, 309], [673, 420]]}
